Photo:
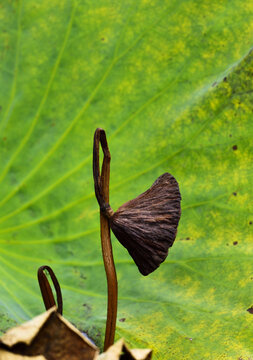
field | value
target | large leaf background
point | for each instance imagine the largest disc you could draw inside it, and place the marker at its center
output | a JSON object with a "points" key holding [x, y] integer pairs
{"points": [[171, 82]]}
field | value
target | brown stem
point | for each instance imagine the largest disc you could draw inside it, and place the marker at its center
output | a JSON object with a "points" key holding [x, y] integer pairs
{"points": [[102, 194], [46, 291]]}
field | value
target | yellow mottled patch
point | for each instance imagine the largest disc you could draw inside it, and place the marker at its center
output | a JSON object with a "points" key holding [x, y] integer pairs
{"points": [[233, 274], [193, 289], [240, 349], [116, 101], [201, 326], [202, 113], [223, 168], [217, 235], [187, 279], [208, 55], [127, 86], [245, 107], [146, 2], [228, 114], [248, 237], [216, 324], [235, 311], [244, 282], [236, 102], [209, 296], [242, 198], [102, 11], [2, 14], [191, 179], [220, 170], [180, 47], [196, 231], [177, 281]]}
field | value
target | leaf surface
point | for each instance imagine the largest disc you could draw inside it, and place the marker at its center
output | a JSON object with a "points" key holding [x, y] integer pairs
{"points": [[171, 83]]}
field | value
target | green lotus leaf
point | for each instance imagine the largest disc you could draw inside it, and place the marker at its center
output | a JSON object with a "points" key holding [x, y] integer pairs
{"points": [[171, 83]]}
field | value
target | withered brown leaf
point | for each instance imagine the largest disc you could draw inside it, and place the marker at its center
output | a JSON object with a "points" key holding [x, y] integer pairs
{"points": [[147, 225], [51, 336], [6, 355], [120, 350]]}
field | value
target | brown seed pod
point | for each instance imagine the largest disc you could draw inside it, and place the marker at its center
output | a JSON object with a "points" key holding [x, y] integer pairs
{"points": [[147, 225]]}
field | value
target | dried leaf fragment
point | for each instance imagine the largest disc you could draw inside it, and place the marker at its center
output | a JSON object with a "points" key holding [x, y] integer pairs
{"points": [[147, 225], [141, 354], [6, 355], [119, 350], [51, 336]]}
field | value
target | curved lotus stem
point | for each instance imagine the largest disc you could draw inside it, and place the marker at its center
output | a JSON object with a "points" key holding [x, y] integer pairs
{"points": [[46, 291], [101, 183]]}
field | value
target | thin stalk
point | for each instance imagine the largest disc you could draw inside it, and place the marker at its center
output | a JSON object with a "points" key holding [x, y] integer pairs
{"points": [[46, 291], [102, 194]]}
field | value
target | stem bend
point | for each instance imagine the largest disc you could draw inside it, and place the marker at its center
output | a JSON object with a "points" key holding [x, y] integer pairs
{"points": [[101, 184]]}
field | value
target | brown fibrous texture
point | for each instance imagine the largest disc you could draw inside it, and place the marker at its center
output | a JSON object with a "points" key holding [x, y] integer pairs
{"points": [[57, 341], [147, 225]]}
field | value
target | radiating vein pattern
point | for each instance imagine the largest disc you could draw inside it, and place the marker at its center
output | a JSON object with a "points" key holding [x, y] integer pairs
{"points": [[171, 83]]}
